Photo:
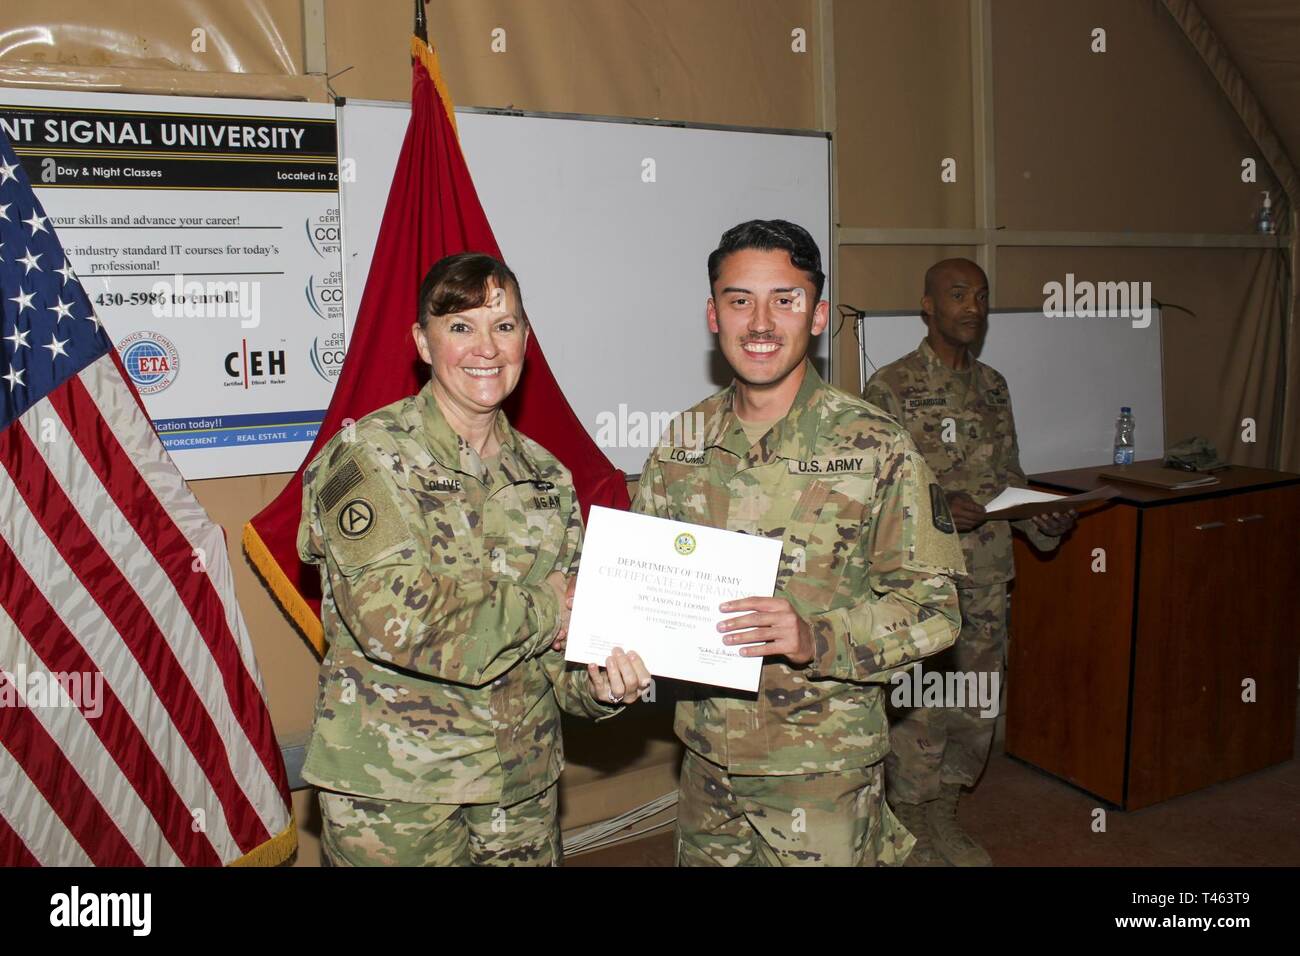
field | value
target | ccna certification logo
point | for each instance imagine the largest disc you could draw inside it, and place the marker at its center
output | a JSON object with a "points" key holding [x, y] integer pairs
{"points": [[685, 543], [150, 359]]}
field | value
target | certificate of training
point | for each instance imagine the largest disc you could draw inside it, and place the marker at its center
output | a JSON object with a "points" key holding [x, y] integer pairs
{"points": [[653, 585]]}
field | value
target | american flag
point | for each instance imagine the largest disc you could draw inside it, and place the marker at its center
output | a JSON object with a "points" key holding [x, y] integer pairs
{"points": [[133, 726]]}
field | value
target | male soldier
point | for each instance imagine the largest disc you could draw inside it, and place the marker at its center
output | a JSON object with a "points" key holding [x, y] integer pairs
{"points": [[793, 776], [958, 410]]}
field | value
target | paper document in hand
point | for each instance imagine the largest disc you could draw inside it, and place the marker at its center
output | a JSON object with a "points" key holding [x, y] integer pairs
{"points": [[653, 585], [1011, 497], [1015, 504]]}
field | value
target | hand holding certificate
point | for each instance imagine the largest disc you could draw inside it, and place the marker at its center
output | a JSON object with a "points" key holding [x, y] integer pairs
{"points": [[1014, 504], [654, 586]]}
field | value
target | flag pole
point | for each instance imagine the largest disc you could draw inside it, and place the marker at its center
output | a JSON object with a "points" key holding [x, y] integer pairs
{"points": [[421, 21]]}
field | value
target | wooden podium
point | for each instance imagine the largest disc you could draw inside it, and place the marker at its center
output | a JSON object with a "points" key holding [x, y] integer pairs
{"points": [[1129, 682]]}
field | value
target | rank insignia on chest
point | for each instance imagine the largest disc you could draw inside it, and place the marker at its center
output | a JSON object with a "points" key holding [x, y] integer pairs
{"points": [[914, 403]]}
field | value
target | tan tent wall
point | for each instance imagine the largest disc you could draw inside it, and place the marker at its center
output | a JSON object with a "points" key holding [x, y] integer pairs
{"points": [[1240, 48], [1138, 138], [252, 48], [242, 36], [902, 88], [724, 61]]}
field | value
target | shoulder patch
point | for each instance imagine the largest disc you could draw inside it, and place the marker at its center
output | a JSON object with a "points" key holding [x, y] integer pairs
{"points": [[356, 518], [360, 517], [931, 543]]}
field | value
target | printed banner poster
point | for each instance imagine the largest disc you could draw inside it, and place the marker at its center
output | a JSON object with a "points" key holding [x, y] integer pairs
{"points": [[206, 233]]}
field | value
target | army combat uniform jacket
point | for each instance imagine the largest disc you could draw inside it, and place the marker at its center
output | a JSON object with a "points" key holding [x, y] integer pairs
{"points": [[961, 421], [868, 555], [439, 685]]}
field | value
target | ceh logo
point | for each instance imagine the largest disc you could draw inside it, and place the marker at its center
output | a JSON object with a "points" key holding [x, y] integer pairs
{"points": [[151, 360], [685, 543], [327, 356], [255, 367]]}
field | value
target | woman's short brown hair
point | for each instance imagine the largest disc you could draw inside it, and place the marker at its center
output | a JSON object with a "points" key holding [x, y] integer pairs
{"points": [[461, 282]]}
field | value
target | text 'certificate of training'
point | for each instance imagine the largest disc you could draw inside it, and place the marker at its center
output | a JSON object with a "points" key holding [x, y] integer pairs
{"points": [[653, 585]]}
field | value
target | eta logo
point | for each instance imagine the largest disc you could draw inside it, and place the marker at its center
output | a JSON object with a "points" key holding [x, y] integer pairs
{"points": [[150, 359]]}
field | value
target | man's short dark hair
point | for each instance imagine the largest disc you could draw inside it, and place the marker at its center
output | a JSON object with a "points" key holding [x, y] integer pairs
{"points": [[765, 235], [462, 282]]}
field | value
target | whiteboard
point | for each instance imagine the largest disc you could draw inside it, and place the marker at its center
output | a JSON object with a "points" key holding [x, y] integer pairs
{"points": [[1068, 378], [612, 268]]}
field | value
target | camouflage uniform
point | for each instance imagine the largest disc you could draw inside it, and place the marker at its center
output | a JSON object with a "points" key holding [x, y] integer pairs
{"points": [[867, 561], [439, 686], [358, 831], [930, 746]]}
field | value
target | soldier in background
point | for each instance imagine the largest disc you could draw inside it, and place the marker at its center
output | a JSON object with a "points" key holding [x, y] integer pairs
{"points": [[792, 776], [958, 411], [446, 540]]}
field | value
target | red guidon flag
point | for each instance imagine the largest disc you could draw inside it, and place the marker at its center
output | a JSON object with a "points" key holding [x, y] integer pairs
{"points": [[133, 728], [433, 211]]}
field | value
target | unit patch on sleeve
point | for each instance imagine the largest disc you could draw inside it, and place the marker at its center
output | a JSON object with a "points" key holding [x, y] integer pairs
{"points": [[356, 518], [363, 521]]}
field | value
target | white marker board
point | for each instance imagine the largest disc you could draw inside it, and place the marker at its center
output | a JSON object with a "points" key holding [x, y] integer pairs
{"points": [[1068, 378], [612, 267]]}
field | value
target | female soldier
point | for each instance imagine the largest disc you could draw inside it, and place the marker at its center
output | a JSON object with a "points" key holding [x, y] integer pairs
{"points": [[446, 540]]}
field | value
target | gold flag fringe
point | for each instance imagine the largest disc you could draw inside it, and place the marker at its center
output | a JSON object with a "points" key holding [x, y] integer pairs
{"points": [[283, 590], [274, 851]]}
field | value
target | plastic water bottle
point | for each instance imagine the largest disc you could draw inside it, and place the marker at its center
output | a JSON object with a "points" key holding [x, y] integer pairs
{"points": [[1124, 447]]}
